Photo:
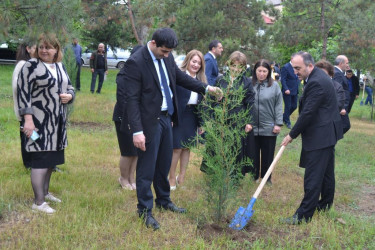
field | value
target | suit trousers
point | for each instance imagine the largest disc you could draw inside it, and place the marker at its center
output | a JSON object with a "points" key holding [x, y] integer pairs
{"points": [[319, 181], [101, 80], [345, 123], [264, 152], [290, 104], [352, 99], [78, 78], [153, 166]]}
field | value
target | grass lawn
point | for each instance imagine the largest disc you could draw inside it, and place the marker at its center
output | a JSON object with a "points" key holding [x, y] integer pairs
{"points": [[97, 214]]}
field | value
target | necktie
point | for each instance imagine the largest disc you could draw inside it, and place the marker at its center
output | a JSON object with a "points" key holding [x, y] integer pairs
{"points": [[166, 88]]}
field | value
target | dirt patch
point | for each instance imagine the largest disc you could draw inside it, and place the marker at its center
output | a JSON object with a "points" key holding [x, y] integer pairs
{"points": [[13, 218], [365, 203], [90, 126], [250, 233]]}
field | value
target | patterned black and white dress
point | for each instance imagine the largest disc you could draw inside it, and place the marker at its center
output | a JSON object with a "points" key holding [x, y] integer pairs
{"points": [[38, 90]]}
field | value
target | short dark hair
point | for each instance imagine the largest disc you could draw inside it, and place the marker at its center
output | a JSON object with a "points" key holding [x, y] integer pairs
{"points": [[307, 58], [165, 37], [267, 65], [213, 44], [349, 71]]}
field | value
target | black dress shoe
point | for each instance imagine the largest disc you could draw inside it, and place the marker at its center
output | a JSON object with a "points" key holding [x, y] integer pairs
{"points": [[151, 222], [293, 220], [172, 207]]}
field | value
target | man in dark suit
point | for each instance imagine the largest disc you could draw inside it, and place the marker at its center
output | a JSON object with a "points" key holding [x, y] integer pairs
{"points": [[341, 65], [353, 85], [150, 76], [320, 126], [289, 88], [215, 48]]}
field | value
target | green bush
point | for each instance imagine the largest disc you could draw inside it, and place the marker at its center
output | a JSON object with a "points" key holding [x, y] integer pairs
{"points": [[224, 132]]}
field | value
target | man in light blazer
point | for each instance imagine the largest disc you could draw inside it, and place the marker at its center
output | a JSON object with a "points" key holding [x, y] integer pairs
{"points": [[215, 48], [150, 76], [320, 126], [290, 84]]}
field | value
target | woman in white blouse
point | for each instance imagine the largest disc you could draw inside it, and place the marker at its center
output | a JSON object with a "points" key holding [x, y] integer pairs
{"points": [[184, 133]]}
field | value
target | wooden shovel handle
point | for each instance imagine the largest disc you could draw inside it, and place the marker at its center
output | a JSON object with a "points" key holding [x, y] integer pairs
{"points": [[267, 175]]}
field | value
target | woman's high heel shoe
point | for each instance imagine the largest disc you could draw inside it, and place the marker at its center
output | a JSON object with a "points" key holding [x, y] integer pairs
{"points": [[127, 186]]}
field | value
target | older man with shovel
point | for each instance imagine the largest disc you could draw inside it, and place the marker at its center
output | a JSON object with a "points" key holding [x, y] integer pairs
{"points": [[320, 127]]}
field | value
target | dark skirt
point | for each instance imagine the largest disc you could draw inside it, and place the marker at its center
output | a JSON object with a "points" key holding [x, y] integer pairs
{"points": [[125, 141], [47, 159], [184, 135]]}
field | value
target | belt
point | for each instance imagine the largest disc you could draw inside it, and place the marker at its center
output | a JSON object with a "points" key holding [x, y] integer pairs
{"points": [[164, 112]]}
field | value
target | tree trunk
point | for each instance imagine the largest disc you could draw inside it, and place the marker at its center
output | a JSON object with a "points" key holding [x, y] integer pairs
{"points": [[323, 31], [130, 12]]}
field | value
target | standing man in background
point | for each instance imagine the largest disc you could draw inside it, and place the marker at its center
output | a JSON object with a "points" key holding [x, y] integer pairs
{"points": [[341, 66], [215, 48], [290, 84], [353, 85], [78, 53], [98, 65]]}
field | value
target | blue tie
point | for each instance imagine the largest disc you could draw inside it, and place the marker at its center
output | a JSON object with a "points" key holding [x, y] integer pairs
{"points": [[166, 89]]}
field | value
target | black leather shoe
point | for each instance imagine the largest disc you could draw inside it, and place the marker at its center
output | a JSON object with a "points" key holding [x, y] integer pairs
{"points": [[172, 207], [293, 220], [151, 222]]}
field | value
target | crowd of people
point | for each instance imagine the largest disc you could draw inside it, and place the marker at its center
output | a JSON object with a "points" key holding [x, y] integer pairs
{"points": [[157, 120]]}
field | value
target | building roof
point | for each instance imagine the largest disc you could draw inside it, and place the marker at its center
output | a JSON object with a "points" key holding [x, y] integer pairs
{"points": [[267, 19]]}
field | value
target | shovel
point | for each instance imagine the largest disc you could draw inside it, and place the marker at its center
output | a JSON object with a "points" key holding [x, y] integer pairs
{"points": [[243, 215], [363, 93]]}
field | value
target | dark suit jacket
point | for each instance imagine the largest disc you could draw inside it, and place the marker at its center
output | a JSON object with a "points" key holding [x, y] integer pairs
{"points": [[319, 123], [355, 85], [289, 80], [340, 94], [212, 70], [118, 112], [183, 98], [341, 78], [143, 92], [249, 98]]}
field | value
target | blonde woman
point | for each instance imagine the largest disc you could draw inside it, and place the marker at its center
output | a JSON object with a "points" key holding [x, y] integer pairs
{"points": [[185, 131]]}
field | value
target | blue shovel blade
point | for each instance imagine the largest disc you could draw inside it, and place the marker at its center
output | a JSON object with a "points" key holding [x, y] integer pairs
{"points": [[242, 217]]}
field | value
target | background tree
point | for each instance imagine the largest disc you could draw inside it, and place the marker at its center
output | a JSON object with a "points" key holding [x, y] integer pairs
{"points": [[149, 15], [106, 22], [21, 18], [236, 23], [326, 28], [358, 34], [306, 23]]}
